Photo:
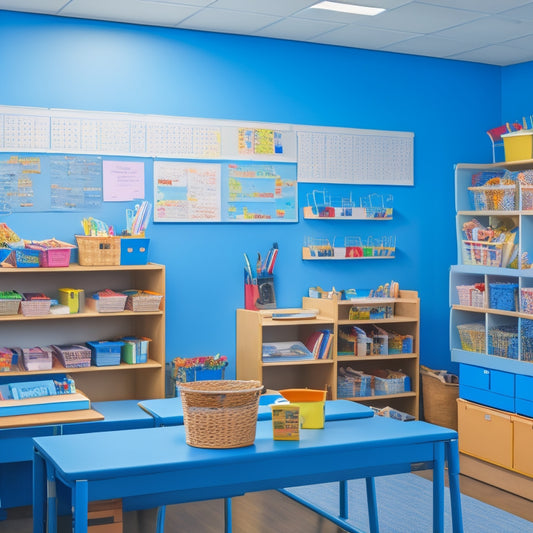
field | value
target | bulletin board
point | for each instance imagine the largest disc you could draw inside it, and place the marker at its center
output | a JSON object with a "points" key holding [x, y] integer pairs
{"points": [[230, 191], [219, 170]]}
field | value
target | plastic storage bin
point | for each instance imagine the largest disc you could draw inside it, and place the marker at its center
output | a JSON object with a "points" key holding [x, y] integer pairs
{"points": [[134, 251], [503, 296], [105, 353]]}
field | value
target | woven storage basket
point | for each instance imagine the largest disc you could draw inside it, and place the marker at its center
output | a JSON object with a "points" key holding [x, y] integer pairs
{"points": [[439, 400], [221, 413], [98, 251]]}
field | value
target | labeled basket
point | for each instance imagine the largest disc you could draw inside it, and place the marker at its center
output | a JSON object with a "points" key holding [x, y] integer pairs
{"points": [[98, 251], [220, 414]]}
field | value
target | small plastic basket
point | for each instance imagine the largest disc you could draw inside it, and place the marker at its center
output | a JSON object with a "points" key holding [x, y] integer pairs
{"points": [[526, 300], [472, 337], [24, 258], [353, 386], [35, 307], [482, 253], [384, 386], [220, 414], [503, 296], [503, 342], [10, 306], [98, 251]]}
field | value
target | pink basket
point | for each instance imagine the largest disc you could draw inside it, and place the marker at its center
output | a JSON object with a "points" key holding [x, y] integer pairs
{"points": [[55, 257]]}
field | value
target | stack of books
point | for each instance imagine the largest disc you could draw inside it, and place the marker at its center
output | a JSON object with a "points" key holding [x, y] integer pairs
{"points": [[73, 355]]}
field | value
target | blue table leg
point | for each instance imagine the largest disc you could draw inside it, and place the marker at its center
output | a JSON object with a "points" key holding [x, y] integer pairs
{"points": [[51, 512], [227, 515], [39, 494], [452, 448], [161, 511], [438, 487], [372, 505], [80, 506], [343, 499]]}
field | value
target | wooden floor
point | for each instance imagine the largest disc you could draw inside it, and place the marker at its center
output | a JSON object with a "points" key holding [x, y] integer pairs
{"points": [[263, 512]]}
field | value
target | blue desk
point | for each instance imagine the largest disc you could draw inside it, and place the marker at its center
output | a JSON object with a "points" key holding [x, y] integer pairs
{"points": [[116, 464], [169, 411]]}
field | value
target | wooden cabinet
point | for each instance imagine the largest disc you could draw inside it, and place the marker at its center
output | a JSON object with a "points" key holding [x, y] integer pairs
{"points": [[403, 322], [257, 327], [121, 382]]}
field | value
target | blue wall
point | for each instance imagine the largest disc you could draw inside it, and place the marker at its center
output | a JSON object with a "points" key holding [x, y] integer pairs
{"points": [[79, 64]]}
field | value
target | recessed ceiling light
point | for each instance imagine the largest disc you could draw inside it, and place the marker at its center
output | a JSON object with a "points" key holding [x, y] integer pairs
{"points": [[348, 8]]}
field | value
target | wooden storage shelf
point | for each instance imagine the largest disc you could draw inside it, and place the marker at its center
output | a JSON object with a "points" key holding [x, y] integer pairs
{"points": [[256, 327], [118, 382]]}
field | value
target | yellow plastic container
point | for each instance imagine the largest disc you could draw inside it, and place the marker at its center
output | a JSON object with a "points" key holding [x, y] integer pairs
{"points": [[312, 405], [518, 146]]}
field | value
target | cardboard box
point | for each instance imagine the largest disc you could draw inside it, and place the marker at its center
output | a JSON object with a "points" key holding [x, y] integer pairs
{"points": [[523, 445], [485, 433], [518, 146], [105, 516]]}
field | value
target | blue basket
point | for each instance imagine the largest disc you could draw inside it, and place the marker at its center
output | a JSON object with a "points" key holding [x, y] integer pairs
{"points": [[503, 296], [26, 257], [503, 342]]}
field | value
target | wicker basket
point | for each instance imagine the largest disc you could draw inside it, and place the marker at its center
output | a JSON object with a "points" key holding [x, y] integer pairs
{"points": [[220, 414], [98, 251], [439, 400]]}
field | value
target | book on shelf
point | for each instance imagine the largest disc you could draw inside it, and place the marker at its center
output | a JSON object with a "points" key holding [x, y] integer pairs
{"points": [[319, 343], [286, 351]]}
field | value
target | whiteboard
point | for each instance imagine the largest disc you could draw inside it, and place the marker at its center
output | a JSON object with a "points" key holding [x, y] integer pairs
{"points": [[323, 154], [352, 156]]}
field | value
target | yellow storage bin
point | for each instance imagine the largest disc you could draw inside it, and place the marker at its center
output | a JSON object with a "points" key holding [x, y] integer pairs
{"points": [[518, 146], [312, 405]]}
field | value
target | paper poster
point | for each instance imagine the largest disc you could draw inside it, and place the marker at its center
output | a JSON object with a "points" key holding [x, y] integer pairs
{"points": [[123, 180]]}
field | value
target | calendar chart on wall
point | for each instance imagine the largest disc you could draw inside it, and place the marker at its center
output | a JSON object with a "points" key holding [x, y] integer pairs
{"points": [[350, 156]]}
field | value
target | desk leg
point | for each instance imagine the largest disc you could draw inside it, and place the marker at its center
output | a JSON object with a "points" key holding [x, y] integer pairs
{"points": [[227, 515], [452, 448], [39, 493], [343, 499], [80, 506], [161, 512], [372, 504], [51, 512], [438, 487]]}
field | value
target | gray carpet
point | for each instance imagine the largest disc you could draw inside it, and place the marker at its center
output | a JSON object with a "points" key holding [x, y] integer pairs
{"points": [[405, 506]]}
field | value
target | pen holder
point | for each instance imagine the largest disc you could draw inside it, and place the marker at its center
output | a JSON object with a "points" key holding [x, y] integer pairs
{"points": [[259, 294]]}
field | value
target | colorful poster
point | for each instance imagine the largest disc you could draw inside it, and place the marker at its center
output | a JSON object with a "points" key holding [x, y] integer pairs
{"points": [[186, 192]]}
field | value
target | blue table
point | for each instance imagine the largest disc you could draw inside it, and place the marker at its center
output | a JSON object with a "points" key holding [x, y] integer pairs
{"points": [[169, 411], [116, 464]]}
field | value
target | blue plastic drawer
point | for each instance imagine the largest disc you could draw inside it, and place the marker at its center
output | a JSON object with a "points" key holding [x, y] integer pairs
{"points": [[524, 407], [491, 399], [486, 379], [474, 376], [524, 388], [502, 383]]}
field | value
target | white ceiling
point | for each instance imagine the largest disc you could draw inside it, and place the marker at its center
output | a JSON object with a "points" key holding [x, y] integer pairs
{"points": [[497, 32]]}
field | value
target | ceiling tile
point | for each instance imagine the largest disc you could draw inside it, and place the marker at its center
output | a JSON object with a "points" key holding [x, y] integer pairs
{"points": [[363, 37], [483, 6], [428, 45], [134, 11], [227, 21], [496, 55], [280, 8], [295, 28], [186, 3], [520, 13], [488, 31], [420, 18], [50, 7]]}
